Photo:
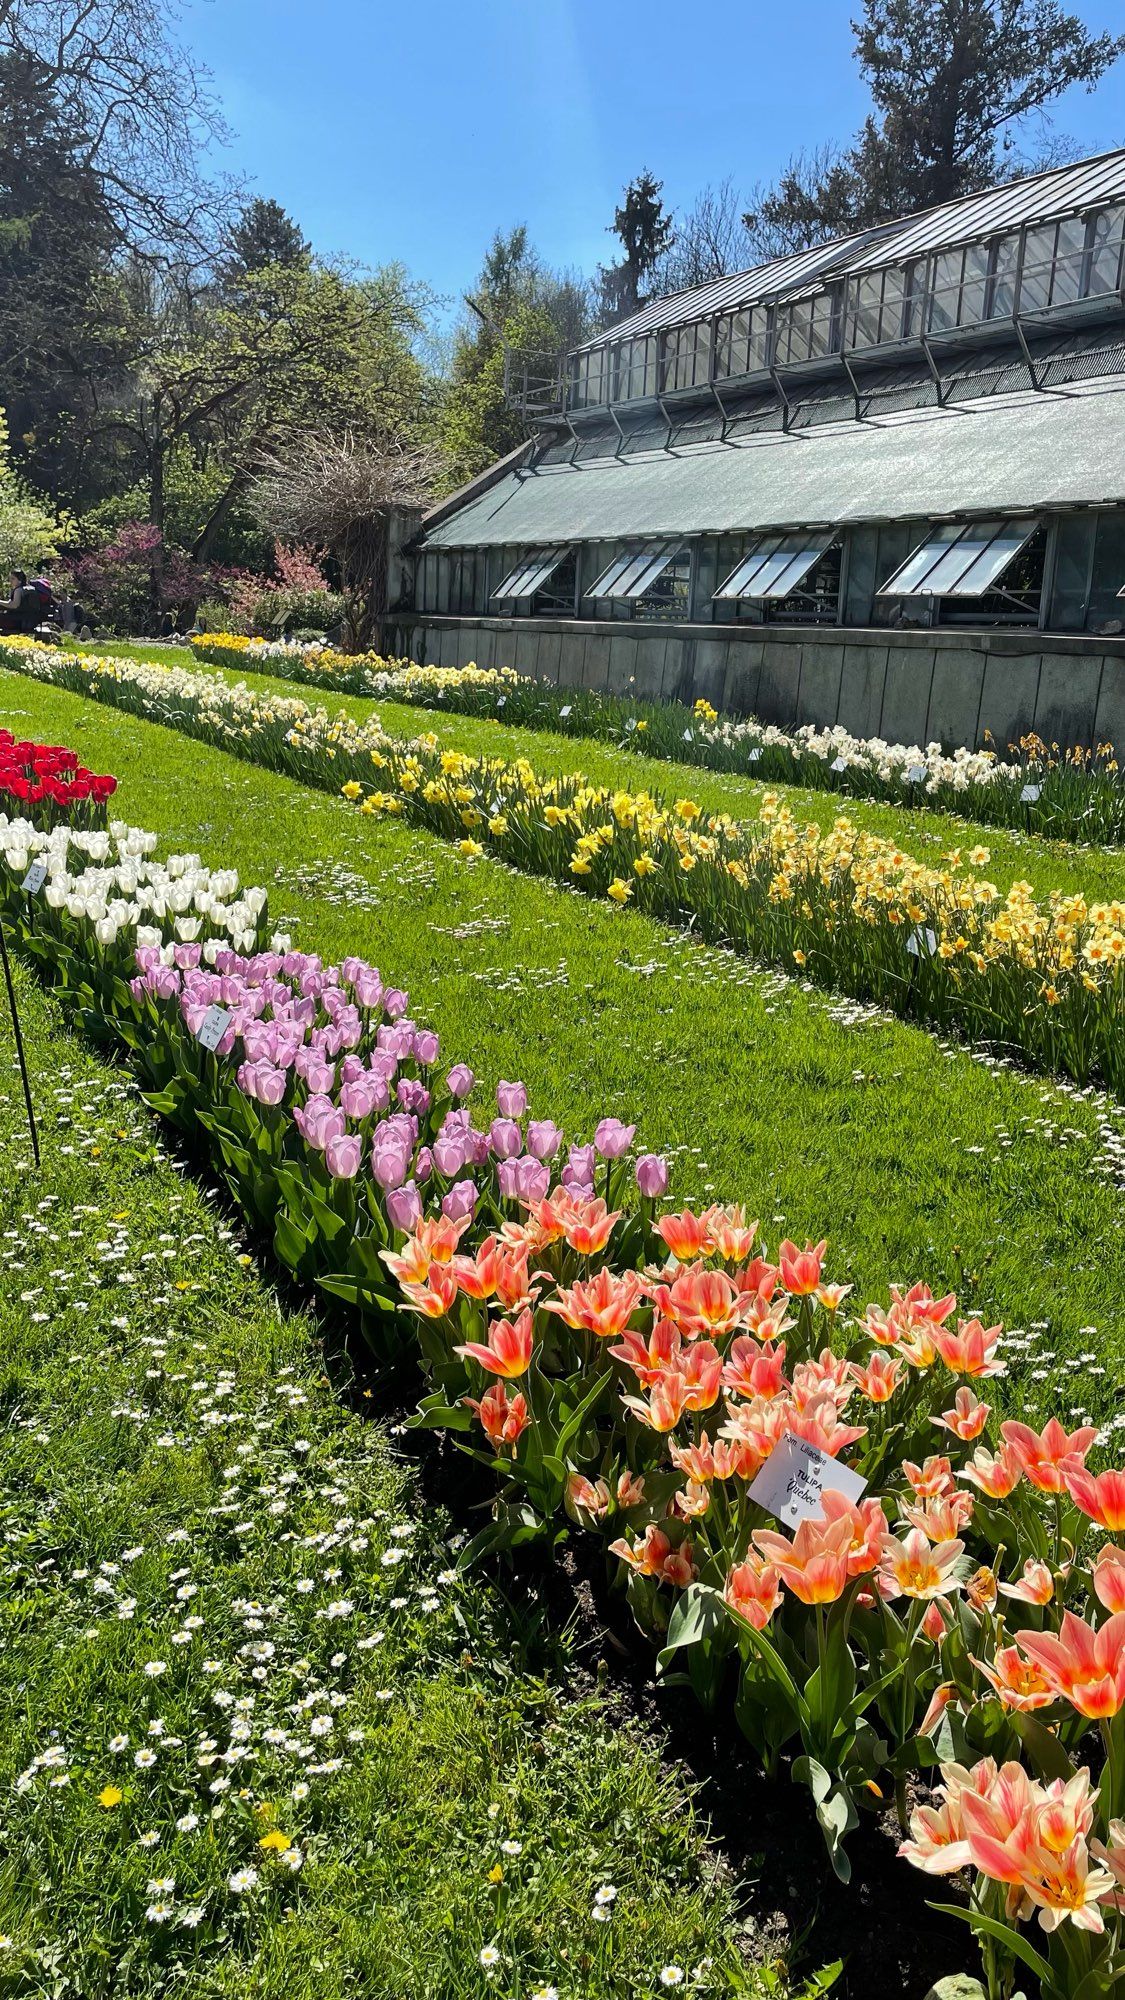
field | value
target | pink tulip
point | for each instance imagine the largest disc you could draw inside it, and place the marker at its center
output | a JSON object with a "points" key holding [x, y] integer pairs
{"points": [[612, 1138], [652, 1176], [460, 1080], [426, 1047], [543, 1138], [511, 1099], [404, 1208], [505, 1138], [342, 1156], [460, 1202]]}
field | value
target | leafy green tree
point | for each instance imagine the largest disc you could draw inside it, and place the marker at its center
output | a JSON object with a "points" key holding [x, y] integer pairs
{"points": [[646, 231], [29, 536], [262, 234], [953, 83], [518, 311]]}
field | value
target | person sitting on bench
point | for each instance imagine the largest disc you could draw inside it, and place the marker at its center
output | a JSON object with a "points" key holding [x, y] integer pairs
{"points": [[28, 603]]}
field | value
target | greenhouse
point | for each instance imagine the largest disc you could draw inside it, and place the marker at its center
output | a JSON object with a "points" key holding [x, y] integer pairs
{"points": [[881, 481]]}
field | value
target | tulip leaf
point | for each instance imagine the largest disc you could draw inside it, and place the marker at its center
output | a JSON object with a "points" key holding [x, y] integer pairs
{"points": [[1044, 1749], [698, 1613], [835, 1810], [1011, 1940]]}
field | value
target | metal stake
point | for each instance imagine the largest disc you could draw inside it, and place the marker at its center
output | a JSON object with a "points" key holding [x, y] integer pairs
{"points": [[21, 1057]]}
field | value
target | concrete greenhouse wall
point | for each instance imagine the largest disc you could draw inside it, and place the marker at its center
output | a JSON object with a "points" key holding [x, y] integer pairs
{"points": [[909, 686]]}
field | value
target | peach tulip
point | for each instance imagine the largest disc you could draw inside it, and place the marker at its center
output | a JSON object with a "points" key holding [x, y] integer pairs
{"points": [[433, 1242], [499, 1270], [967, 1418], [917, 1568], [1064, 1885], [1036, 1584], [1082, 1666], [509, 1348], [657, 1557], [814, 1565], [667, 1401], [732, 1237], [971, 1350], [1019, 1683], [587, 1496], [1108, 1577], [603, 1305], [753, 1589], [700, 1301], [1101, 1495], [931, 1480], [818, 1423], [995, 1476], [630, 1489], [880, 1376], [1045, 1457], [941, 1519], [438, 1296]]}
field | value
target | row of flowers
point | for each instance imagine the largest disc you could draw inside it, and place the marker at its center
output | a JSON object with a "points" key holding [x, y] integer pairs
{"points": [[49, 781], [953, 1594], [846, 908], [1071, 793]]}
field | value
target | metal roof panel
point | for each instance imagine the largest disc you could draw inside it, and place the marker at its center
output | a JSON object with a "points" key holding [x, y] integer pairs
{"points": [[1009, 454]]}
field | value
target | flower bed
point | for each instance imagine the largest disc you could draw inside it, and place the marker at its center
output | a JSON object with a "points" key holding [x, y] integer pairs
{"points": [[846, 908], [634, 1371], [1073, 793], [47, 783]]}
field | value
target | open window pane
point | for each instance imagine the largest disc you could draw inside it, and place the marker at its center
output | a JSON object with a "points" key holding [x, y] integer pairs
{"points": [[960, 561], [776, 567], [530, 574], [635, 572], [991, 563]]}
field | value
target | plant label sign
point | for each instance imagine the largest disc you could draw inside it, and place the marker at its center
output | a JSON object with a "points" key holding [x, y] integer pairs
{"points": [[752, 756], [213, 1027], [839, 764], [796, 1475], [34, 879], [563, 712], [922, 941], [1029, 794], [916, 774]]}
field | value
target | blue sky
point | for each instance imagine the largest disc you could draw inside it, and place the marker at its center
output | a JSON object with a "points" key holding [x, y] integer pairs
{"points": [[413, 131]]}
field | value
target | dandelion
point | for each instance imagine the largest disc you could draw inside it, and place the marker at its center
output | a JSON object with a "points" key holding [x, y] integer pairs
{"points": [[110, 1796]]}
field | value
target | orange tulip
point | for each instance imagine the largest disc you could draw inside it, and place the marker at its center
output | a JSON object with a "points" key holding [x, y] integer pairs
{"points": [[499, 1270], [688, 1236], [1082, 1666], [752, 1370], [1045, 1457], [438, 1296], [504, 1421], [667, 1401], [967, 1418], [880, 1376], [603, 1305], [433, 1242], [586, 1225], [700, 1301], [1100, 1495], [814, 1564], [971, 1350], [1019, 1683], [1108, 1577], [753, 1589], [917, 1569], [800, 1269], [657, 1557], [509, 1348]]}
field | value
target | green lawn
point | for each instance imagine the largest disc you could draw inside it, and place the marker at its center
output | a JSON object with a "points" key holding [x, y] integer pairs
{"points": [[913, 1158], [227, 1614], [1099, 873]]}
